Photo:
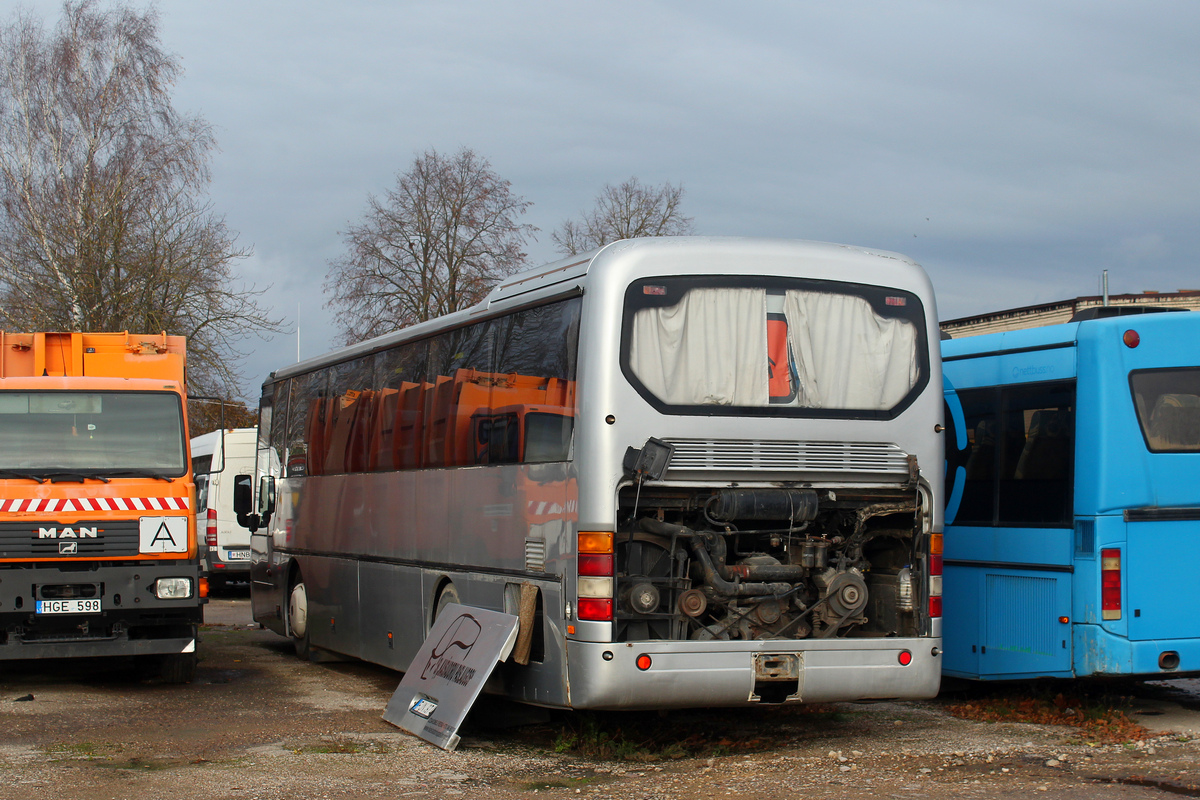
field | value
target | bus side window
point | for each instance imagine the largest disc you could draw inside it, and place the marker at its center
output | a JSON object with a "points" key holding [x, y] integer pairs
{"points": [[308, 395], [1021, 457]]}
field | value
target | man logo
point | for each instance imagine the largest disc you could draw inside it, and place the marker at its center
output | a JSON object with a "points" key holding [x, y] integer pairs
{"points": [[68, 548]]}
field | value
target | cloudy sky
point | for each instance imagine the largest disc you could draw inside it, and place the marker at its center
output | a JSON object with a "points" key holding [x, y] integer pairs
{"points": [[1015, 149]]}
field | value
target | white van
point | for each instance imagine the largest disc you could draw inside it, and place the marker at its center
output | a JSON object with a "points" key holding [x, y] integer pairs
{"points": [[224, 545]]}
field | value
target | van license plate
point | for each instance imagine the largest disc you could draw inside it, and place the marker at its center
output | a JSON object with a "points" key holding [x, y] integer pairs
{"points": [[79, 606], [237, 555]]}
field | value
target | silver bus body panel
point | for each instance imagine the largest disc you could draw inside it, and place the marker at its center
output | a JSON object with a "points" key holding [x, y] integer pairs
{"points": [[376, 547], [721, 674]]}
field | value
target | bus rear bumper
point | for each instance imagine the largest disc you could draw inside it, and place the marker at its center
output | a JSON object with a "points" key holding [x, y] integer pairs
{"points": [[689, 674], [1100, 653]]}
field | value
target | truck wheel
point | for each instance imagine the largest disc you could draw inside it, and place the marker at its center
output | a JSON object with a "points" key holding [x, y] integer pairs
{"points": [[298, 619], [178, 668]]}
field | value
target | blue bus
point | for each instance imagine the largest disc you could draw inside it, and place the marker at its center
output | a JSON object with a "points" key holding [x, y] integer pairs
{"points": [[1073, 500]]}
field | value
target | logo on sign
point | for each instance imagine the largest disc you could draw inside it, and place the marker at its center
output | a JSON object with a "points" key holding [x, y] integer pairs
{"points": [[68, 548], [458, 640]]}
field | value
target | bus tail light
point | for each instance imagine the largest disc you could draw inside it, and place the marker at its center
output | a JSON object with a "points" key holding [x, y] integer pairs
{"points": [[935, 575], [210, 530], [1110, 584], [594, 587]]}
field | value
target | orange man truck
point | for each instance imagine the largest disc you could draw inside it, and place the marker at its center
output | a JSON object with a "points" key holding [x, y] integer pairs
{"points": [[98, 549]]}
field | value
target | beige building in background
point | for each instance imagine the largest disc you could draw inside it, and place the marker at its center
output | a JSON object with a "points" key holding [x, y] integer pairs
{"points": [[1064, 310]]}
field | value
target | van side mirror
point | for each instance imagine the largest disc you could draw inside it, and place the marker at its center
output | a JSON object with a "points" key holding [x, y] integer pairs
{"points": [[243, 503]]}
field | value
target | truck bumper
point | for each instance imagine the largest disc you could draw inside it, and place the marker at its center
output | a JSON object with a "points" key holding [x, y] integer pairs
{"points": [[131, 620]]}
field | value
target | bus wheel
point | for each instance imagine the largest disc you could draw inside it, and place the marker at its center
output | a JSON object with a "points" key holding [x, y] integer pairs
{"points": [[298, 618], [447, 596]]}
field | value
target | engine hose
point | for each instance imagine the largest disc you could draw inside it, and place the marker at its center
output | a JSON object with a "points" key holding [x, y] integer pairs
{"points": [[725, 572]]}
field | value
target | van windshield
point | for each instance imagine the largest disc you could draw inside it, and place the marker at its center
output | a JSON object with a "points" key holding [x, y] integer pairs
{"points": [[771, 343], [92, 433]]}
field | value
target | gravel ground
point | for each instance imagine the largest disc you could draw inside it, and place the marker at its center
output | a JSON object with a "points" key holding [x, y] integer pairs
{"points": [[258, 723]]}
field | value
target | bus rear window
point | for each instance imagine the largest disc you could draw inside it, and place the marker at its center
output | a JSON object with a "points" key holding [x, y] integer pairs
{"points": [[701, 345], [1168, 408]]}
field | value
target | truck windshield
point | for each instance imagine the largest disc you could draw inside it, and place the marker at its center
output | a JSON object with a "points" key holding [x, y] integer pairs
{"points": [[1168, 408], [92, 433], [805, 347]]}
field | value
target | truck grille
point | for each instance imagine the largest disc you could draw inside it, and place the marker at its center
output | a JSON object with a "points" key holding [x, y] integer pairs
{"points": [[759, 456], [74, 540]]}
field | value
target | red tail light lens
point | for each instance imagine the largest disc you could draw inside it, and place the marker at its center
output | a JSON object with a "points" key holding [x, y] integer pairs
{"points": [[597, 565], [596, 609], [935, 606], [1110, 584], [210, 531]]}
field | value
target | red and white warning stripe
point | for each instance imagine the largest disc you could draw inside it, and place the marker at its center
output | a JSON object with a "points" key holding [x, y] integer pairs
{"points": [[69, 504]]}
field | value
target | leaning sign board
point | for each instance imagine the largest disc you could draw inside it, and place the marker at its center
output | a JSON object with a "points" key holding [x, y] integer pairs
{"points": [[449, 671]]}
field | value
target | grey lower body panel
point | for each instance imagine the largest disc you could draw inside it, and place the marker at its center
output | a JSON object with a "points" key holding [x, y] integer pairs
{"points": [[97, 648], [131, 619], [690, 674]]}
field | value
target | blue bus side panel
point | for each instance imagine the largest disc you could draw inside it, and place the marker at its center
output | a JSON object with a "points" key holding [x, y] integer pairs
{"points": [[1002, 620], [1014, 631], [1012, 368], [1021, 624], [960, 622], [1162, 594]]}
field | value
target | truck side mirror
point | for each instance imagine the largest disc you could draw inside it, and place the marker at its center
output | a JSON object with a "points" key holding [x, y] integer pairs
{"points": [[243, 502]]}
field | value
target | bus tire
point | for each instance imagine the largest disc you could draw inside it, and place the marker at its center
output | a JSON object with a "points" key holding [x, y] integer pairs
{"points": [[298, 618], [446, 596]]}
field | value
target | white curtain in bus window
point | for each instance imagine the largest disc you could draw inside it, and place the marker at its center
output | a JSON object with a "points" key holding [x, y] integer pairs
{"points": [[707, 349], [849, 357]]}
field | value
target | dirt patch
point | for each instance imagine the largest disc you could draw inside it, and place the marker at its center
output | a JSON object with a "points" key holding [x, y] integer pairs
{"points": [[259, 723]]}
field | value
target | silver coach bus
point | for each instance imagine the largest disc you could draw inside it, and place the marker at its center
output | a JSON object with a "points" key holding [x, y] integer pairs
{"points": [[703, 472]]}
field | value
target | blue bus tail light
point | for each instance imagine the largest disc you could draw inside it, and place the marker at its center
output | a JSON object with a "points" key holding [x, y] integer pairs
{"points": [[1110, 584], [1131, 338], [935, 575]]}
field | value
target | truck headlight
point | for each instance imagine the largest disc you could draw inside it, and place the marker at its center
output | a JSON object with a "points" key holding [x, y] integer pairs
{"points": [[173, 588]]}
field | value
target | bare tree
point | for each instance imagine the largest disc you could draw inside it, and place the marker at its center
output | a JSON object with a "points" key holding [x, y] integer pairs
{"points": [[103, 222], [205, 416], [628, 211], [435, 243]]}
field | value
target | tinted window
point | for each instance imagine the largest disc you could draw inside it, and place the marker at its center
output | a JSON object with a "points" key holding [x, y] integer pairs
{"points": [[1167, 402], [1021, 455], [500, 391]]}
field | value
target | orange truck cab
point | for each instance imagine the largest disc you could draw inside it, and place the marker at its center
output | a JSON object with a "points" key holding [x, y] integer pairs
{"points": [[98, 552]]}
